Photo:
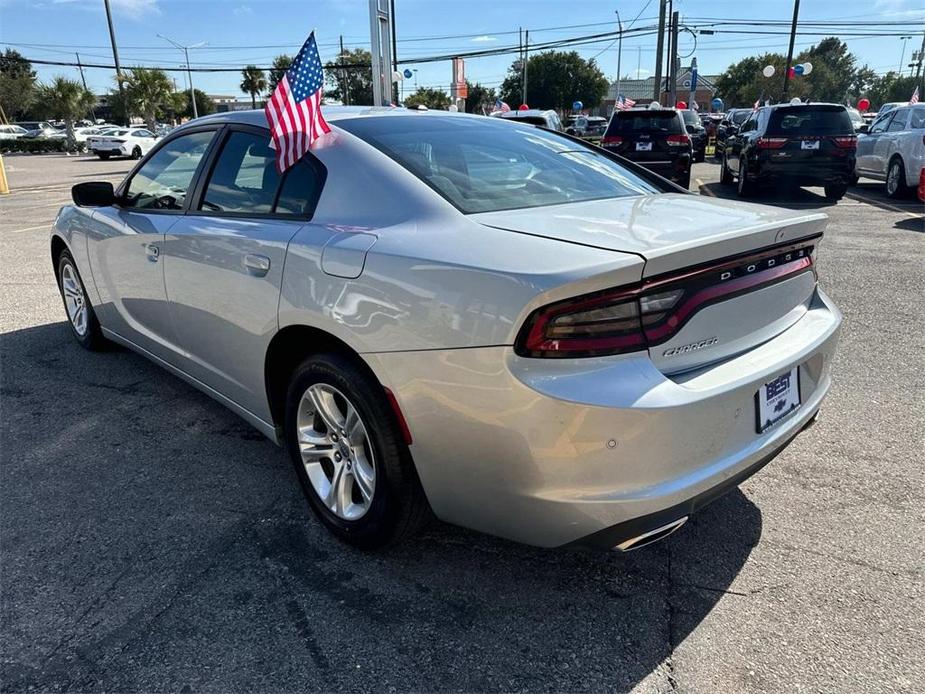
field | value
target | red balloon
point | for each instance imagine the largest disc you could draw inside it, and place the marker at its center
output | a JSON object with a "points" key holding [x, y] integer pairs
{"points": [[523, 107], [863, 105], [790, 73], [681, 105]]}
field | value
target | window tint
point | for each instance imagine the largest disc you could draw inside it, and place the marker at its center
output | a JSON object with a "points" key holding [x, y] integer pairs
{"points": [[899, 120], [244, 178], [881, 123], [484, 165], [163, 181], [654, 121], [300, 190], [142, 133], [739, 117], [810, 120], [917, 122]]}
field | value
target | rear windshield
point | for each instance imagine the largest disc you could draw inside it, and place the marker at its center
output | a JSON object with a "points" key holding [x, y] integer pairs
{"points": [[485, 165], [532, 120], [810, 120], [627, 122]]}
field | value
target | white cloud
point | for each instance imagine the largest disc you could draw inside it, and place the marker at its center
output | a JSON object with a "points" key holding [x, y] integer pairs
{"points": [[242, 11], [483, 39]]}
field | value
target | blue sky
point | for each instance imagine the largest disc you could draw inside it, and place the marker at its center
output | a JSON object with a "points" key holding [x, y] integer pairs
{"points": [[253, 31]]}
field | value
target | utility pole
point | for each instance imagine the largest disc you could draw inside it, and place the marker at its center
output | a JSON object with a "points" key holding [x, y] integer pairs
{"points": [[394, 52], [918, 64], [793, 36], [659, 49], [189, 73], [84, 80], [526, 60], [673, 71], [902, 53], [115, 57], [619, 55], [344, 87]]}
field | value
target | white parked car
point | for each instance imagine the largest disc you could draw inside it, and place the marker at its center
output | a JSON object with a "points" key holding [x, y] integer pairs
{"points": [[125, 142], [12, 132], [534, 116], [893, 149]]}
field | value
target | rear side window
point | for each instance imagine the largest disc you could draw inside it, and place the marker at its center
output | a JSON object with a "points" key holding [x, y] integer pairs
{"points": [[917, 122], [690, 118], [650, 122], [244, 178], [739, 117], [810, 120], [899, 120]]}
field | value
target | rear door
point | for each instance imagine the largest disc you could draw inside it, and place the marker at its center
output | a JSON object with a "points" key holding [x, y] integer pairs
{"points": [[224, 262], [126, 243]]}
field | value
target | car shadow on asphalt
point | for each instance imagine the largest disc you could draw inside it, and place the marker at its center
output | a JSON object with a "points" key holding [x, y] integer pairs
{"points": [[154, 541], [780, 196]]}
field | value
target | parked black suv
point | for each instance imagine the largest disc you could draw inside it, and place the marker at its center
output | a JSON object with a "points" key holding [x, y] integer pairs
{"points": [[728, 126], [697, 132], [804, 145], [654, 138]]}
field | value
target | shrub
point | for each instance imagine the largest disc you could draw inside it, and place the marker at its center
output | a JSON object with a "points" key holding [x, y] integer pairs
{"points": [[37, 145]]}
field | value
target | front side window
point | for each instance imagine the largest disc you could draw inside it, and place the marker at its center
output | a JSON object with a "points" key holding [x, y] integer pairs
{"points": [[164, 180], [483, 165], [899, 121], [880, 124]]}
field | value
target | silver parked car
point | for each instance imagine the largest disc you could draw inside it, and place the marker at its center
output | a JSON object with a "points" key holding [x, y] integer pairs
{"points": [[432, 311], [892, 150]]}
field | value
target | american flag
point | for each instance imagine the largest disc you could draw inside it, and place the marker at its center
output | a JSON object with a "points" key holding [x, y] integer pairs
{"points": [[914, 99], [294, 110], [501, 106], [623, 103]]}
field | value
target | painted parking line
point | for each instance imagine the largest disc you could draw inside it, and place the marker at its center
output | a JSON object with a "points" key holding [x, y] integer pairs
{"points": [[46, 225], [880, 203]]}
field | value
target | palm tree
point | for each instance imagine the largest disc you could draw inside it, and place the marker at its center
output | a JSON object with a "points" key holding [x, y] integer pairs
{"points": [[281, 64], [148, 91], [254, 82], [67, 100]]}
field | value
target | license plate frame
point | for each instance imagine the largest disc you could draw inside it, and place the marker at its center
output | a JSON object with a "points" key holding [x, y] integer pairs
{"points": [[811, 145], [777, 399], [643, 146]]}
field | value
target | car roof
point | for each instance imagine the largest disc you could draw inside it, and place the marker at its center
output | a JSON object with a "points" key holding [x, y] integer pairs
{"points": [[332, 114]]}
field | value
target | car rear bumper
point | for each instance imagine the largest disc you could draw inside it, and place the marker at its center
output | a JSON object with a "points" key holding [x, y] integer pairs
{"points": [[589, 451], [673, 169], [806, 173]]}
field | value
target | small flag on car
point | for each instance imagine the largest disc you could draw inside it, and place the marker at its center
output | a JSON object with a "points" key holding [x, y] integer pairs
{"points": [[914, 99], [294, 109], [501, 106], [624, 104]]}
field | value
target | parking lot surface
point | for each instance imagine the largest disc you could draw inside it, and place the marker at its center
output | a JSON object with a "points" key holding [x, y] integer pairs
{"points": [[154, 542]]}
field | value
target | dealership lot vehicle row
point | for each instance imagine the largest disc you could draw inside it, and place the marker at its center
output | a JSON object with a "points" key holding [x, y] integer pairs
{"points": [[152, 540]]}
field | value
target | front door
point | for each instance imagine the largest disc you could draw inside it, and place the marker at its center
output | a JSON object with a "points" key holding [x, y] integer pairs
{"points": [[224, 263], [126, 243]]}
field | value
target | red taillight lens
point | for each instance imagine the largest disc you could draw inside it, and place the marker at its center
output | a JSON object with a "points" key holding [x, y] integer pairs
{"points": [[612, 140], [678, 140], [771, 142], [847, 142]]}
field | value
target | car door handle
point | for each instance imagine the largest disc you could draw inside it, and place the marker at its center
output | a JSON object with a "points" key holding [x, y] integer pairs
{"points": [[257, 265], [152, 252]]}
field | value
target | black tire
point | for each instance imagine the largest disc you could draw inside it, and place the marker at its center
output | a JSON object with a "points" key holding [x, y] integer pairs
{"points": [[701, 156], [103, 155], [92, 337], [853, 181], [398, 507], [745, 188], [901, 187], [725, 175], [136, 153], [685, 181], [835, 191]]}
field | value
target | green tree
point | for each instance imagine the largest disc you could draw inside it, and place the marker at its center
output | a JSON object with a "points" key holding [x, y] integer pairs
{"points": [[204, 105], [17, 84], [863, 81], [555, 80], [890, 87], [281, 63], [481, 99], [431, 98], [743, 82], [67, 100], [148, 92], [350, 77], [834, 71], [253, 82]]}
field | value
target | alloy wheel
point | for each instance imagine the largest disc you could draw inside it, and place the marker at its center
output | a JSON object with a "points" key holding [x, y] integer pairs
{"points": [[336, 451], [892, 179], [74, 299]]}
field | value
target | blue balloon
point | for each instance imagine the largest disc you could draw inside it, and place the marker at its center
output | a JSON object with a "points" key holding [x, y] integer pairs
{"points": [[797, 69], [577, 106], [407, 73], [717, 104]]}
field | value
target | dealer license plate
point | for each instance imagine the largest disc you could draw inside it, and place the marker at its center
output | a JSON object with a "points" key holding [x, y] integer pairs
{"points": [[643, 146], [809, 144], [778, 398]]}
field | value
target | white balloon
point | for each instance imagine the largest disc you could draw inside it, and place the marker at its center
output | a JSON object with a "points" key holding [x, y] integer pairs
{"points": [[768, 71], [453, 108], [795, 101], [807, 68]]}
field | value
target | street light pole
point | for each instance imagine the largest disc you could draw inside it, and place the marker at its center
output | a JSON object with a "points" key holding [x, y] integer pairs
{"points": [[189, 73], [902, 54], [793, 36], [115, 57], [619, 55]]}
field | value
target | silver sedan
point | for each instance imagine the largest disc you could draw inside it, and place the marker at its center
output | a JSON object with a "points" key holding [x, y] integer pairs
{"points": [[503, 326]]}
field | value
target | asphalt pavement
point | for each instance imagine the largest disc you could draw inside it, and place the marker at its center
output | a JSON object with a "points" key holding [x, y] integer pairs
{"points": [[151, 541]]}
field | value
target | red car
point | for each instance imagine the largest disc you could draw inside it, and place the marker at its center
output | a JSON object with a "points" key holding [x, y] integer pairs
{"points": [[922, 185]]}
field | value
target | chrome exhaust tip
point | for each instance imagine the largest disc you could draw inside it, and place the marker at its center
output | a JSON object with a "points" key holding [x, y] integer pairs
{"points": [[651, 536]]}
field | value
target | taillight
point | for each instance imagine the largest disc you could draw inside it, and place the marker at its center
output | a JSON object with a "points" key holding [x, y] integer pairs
{"points": [[678, 140], [634, 318], [846, 142], [771, 142], [612, 140]]}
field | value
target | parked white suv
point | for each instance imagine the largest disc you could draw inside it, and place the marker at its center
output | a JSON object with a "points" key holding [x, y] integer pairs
{"points": [[893, 149]]}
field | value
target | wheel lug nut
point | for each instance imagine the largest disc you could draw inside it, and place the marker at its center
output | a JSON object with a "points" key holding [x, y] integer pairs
{"points": [[337, 457]]}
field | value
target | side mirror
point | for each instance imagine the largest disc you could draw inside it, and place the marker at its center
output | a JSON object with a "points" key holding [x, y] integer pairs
{"points": [[865, 128], [93, 194]]}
